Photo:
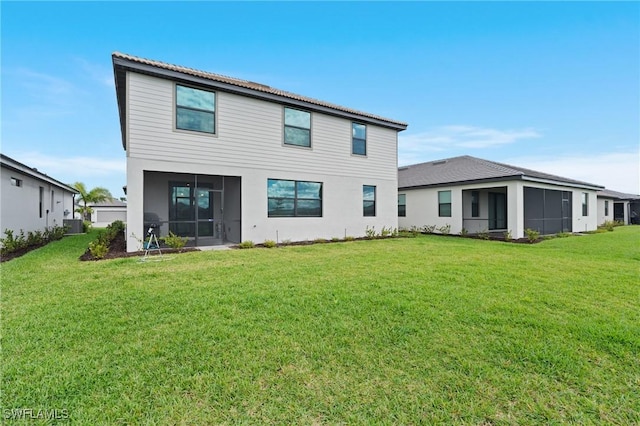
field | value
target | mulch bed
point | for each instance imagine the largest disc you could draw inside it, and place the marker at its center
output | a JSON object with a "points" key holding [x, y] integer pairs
{"points": [[21, 252], [118, 249]]}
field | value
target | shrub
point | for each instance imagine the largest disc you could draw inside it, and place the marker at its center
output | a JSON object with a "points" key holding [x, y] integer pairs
{"points": [[563, 234], [464, 232], [57, 232], [386, 232], [507, 235], [335, 239], [370, 233], [247, 244], [174, 241], [104, 237], [35, 238], [445, 229], [484, 234], [349, 238], [11, 243], [100, 246], [98, 249], [405, 233], [428, 229], [608, 225], [320, 240], [117, 226], [86, 226], [269, 243], [532, 235]]}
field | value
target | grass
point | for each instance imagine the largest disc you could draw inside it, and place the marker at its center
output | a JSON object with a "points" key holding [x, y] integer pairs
{"points": [[407, 331]]}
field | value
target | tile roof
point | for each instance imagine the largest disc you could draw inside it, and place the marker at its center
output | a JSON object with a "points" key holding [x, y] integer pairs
{"points": [[467, 169], [253, 86], [608, 193]]}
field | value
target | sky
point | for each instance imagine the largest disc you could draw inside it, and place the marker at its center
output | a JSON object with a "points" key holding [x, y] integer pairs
{"points": [[551, 86]]}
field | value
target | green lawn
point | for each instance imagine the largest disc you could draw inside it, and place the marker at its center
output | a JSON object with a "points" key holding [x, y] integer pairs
{"points": [[402, 331]]}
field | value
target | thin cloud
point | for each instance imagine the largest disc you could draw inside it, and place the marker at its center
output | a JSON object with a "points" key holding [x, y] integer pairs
{"points": [[421, 146], [618, 171], [69, 169], [477, 137], [96, 72], [43, 95], [44, 85]]}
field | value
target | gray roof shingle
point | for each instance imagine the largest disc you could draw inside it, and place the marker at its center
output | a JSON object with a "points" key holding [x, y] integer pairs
{"points": [[466, 169], [608, 193], [121, 59]]}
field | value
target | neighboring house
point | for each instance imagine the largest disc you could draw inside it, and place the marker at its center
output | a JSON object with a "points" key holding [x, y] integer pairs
{"points": [[31, 200], [618, 206], [479, 195], [220, 159], [106, 212]]}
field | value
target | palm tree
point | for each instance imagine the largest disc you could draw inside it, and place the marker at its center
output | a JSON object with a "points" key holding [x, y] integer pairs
{"points": [[96, 195]]}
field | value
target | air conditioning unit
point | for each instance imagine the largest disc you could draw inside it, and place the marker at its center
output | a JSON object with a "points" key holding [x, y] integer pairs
{"points": [[75, 225]]}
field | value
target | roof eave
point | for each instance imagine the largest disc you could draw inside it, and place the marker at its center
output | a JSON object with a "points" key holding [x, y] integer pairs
{"points": [[462, 182], [121, 65], [503, 179], [120, 80], [582, 185], [16, 166]]}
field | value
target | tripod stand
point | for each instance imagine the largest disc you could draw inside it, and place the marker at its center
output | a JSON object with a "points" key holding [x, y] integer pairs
{"points": [[151, 243]]}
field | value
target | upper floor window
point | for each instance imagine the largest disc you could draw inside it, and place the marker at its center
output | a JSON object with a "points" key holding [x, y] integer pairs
{"points": [[585, 204], [195, 109], [290, 198], [402, 205], [358, 139], [368, 200], [297, 127], [444, 203], [16, 182]]}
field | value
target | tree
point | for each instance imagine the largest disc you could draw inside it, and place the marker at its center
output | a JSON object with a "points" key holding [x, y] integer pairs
{"points": [[96, 195]]}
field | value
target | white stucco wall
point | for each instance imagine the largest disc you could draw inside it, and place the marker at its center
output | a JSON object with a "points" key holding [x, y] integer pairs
{"points": [[249, 144], [104, 216], [602, 218], [422, 206], [21, 204]]}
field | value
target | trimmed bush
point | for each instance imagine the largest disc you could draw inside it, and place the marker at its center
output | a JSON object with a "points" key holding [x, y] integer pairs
{"points": [[34, 239], [269, 243], [532, 235], [247, 244], [174, 241]]}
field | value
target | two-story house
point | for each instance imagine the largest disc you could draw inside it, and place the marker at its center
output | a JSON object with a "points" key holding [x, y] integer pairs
{"points": [[220, 159]]}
